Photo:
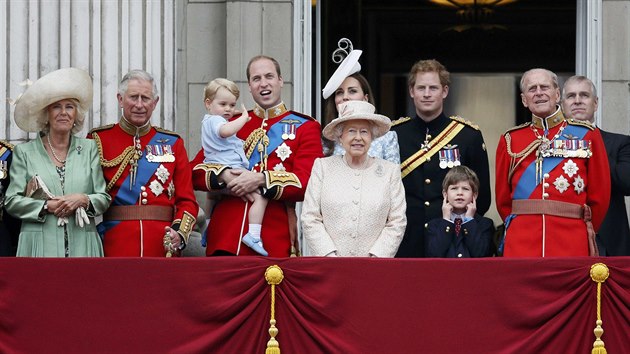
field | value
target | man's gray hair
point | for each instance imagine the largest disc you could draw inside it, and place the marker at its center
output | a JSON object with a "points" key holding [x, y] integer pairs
{"points": [[578, 79], [137, 74], [553, 75]]}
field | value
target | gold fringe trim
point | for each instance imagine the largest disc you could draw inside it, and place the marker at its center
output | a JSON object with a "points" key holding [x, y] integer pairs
{"points": [[599, 274], [274, 276]]}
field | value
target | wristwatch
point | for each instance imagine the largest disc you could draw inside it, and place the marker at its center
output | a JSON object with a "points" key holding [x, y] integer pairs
{"points": [[46, 205]]}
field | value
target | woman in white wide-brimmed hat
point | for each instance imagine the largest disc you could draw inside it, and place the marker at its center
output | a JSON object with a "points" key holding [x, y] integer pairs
{"points": [[348, 84], [58, 219], [354, 203]]}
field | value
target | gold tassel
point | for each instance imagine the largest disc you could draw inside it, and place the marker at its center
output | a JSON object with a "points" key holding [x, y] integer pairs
{"points": [[599, 274], [274, 276]]}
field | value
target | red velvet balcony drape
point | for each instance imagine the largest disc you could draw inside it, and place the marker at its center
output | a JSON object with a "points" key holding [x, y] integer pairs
{"points": [[222, 305]]}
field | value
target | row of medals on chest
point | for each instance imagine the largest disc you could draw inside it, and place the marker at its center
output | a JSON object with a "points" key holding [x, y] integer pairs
{"points": [[154, 153], [449, 155], [571, 146]]}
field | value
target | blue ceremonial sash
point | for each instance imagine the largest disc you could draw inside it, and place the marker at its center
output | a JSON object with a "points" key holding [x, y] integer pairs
{"points": [[275, 136], [145, 169], [527, 183]]}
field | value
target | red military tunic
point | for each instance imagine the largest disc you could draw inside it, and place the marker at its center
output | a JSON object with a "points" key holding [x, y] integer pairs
{"points": [[162, 183], [294, 144], [573, 169]]}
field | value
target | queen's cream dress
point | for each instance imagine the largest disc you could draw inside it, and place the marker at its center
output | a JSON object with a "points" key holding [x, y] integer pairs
{"points": [[354, 212]]}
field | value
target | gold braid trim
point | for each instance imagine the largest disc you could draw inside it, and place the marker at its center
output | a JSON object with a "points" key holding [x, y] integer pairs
{"points": [[400, 121], [210, 169], [186, 225], [7, 144], [465, 121], [122, 160], [281, 179], [252, 141], [517, 158]]}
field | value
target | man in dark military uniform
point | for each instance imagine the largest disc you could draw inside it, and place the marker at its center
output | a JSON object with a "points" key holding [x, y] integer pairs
{"points": [[579, 101], [430, 145], [9, 226]]}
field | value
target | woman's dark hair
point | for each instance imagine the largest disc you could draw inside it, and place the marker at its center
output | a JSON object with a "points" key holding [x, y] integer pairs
{"points": [[330, 109]]}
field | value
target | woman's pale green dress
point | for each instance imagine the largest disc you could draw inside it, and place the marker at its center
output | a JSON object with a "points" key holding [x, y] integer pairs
{"points": [[40, 235]]}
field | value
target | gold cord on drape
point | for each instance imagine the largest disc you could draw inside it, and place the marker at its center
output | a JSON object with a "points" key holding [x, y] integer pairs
{"points": [[599, 274], [274, 276]]}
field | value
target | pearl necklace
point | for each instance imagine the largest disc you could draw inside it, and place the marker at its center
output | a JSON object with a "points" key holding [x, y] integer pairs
{"points": [[54, 153], [367, 160]]}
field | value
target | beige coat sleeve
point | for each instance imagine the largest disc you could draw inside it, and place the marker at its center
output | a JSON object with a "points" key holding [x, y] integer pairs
{"points": [[387, 243], [318, 240]]}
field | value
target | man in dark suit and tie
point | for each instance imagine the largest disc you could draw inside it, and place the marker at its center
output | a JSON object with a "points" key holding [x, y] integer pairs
{"points": [[579, 101]]}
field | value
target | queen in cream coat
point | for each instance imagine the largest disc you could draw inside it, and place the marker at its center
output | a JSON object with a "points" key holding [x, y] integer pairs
{"points": [[354, 204]]}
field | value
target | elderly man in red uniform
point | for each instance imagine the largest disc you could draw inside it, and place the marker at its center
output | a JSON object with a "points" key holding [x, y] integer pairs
{"points": [[281, 146], [552, 177], [146, 168]]}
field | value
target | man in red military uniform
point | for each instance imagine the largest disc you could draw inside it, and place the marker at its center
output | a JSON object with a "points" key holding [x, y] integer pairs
{"points": [[281, 146], [552, 177], [146, 168]]}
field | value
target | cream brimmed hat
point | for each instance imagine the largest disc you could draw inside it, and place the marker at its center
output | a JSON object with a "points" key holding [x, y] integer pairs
{"points": [[30, 109], [358, 110], [348, 66]]}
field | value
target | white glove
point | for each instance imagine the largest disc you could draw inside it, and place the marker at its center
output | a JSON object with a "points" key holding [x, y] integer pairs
{"points": [[81, 217], [62, 221]]}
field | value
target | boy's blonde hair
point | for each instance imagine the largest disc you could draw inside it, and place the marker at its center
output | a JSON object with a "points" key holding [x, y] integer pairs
{"points": [[210, 91], [461, 174]]}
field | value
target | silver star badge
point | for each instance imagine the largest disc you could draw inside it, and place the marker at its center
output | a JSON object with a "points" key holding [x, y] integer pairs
{"points": [[162, 173], [283, 151], [156, 188]]}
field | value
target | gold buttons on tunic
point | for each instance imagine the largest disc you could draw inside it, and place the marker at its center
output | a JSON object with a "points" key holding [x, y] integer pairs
{"points": [[426, 203], [427, 181]]}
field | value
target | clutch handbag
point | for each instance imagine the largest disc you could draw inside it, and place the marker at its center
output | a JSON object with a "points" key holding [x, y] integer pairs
{"points": [[37, 189]]}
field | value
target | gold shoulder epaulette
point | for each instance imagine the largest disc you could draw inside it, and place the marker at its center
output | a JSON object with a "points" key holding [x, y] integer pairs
{"points": [[166, 131], [518, 127], [7, 144], [583, 123], [400, 120], [104, 127], [465, 121]]}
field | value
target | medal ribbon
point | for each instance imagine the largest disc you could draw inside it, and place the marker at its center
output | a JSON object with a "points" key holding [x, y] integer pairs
{"points": [[275, 136], [527, 182], [422, 155], [129, 196]]}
